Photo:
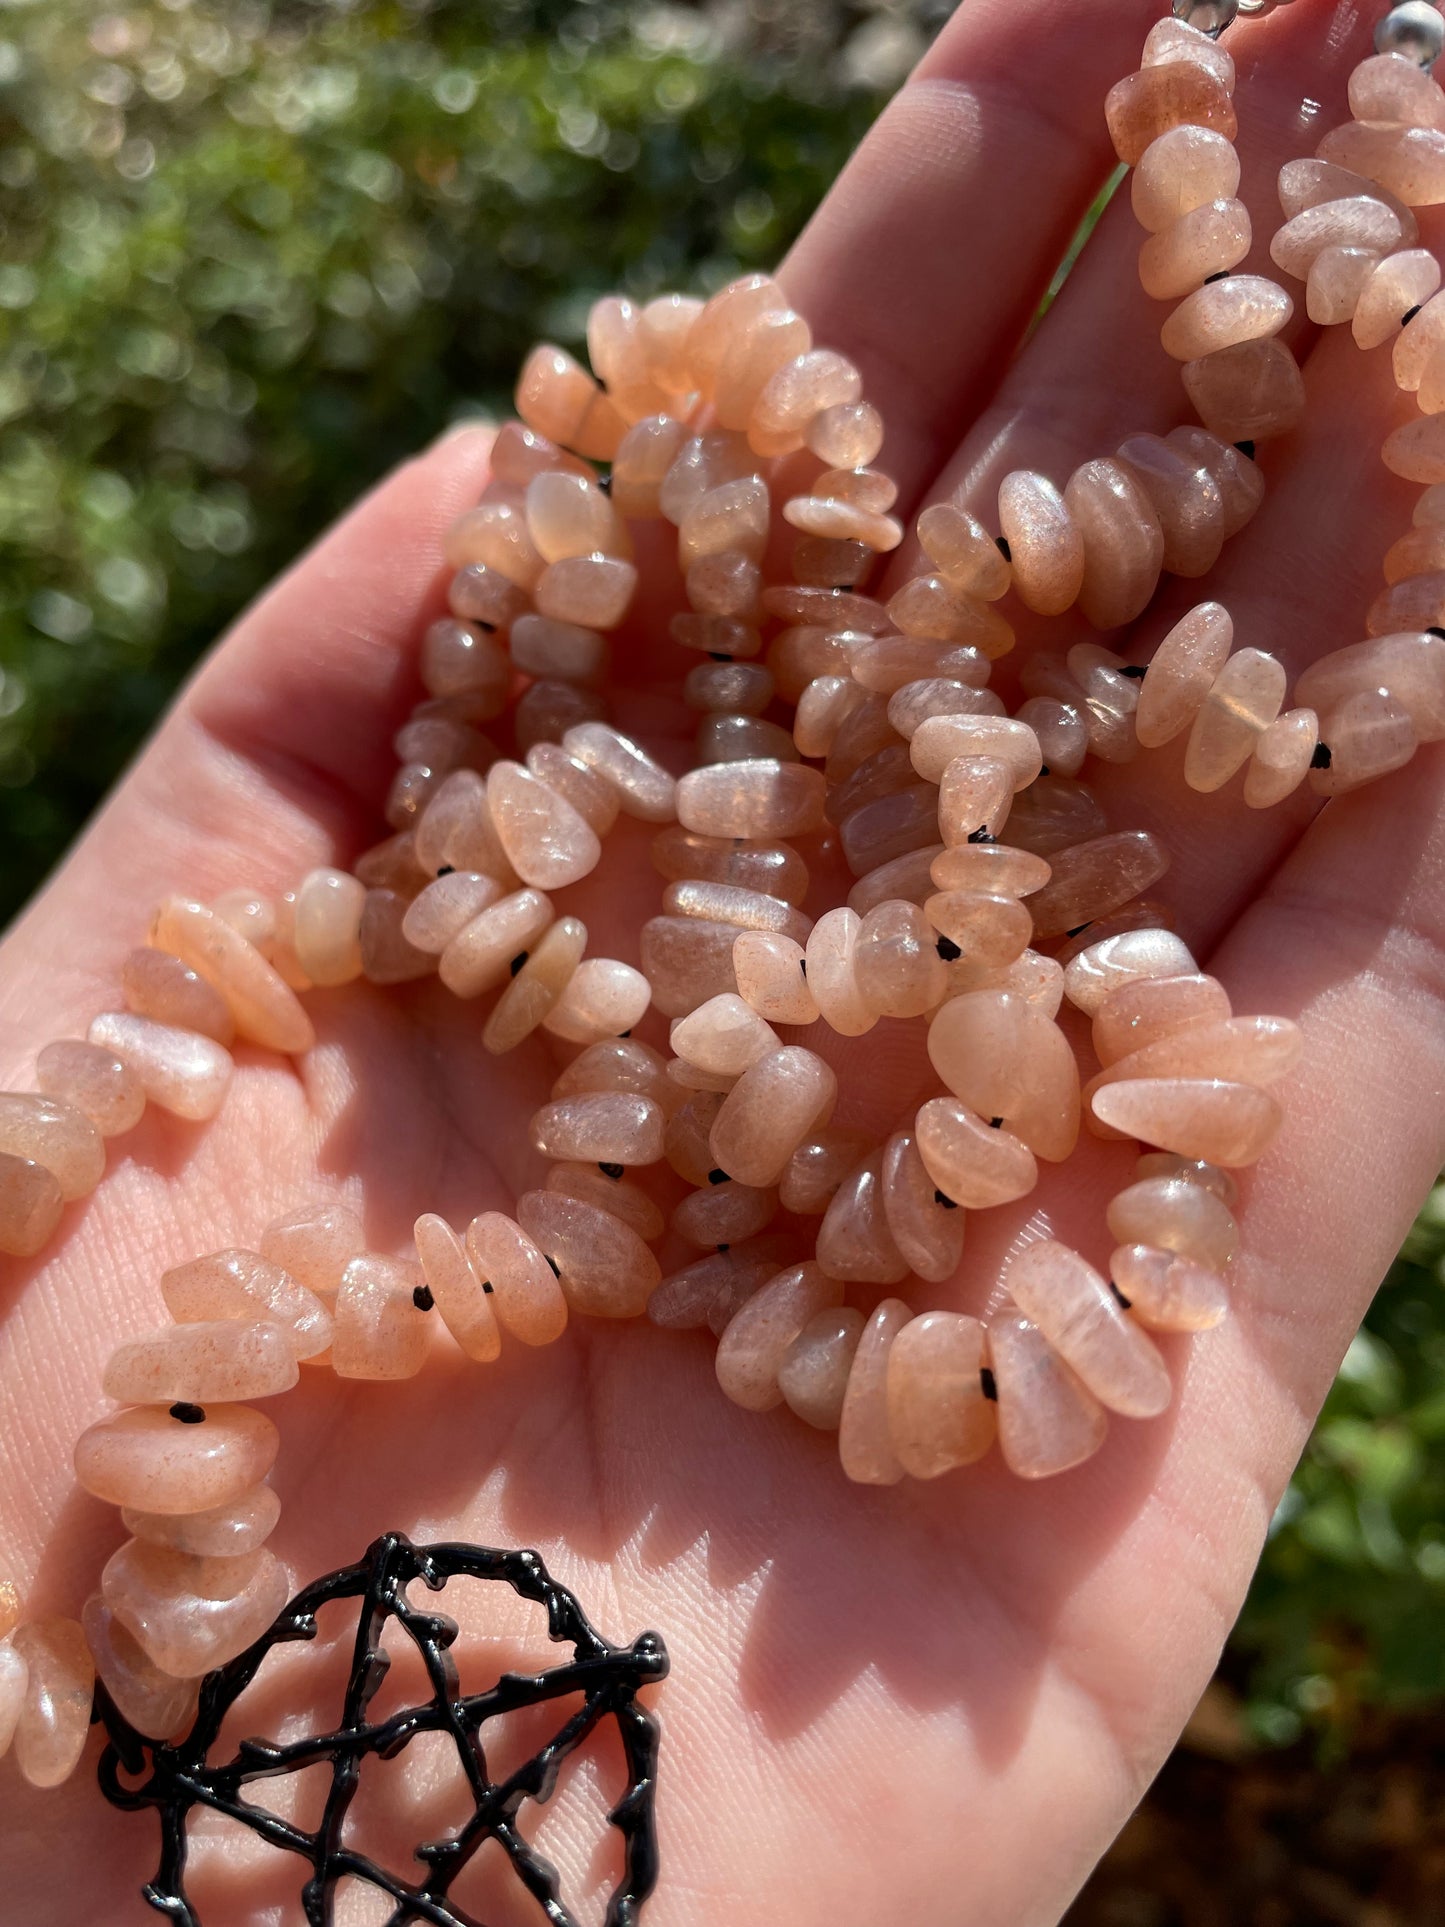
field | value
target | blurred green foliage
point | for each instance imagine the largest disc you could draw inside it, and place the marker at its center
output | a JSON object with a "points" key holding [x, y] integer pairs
{"points": [[1348, 1605], [251, 254]]}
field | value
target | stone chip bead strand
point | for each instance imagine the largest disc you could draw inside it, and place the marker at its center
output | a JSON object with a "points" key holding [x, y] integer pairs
{"points": [[1174, 123]]}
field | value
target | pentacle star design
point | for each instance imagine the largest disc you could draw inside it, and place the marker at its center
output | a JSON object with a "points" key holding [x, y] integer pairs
{"points": [[173, 1778]]}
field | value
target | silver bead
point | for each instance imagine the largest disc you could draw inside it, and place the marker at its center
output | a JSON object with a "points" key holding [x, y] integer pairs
{"points": [[1210, 16], [1414, 29]]}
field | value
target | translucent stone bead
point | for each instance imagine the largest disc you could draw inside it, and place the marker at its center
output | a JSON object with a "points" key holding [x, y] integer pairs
{"points": [[14, 1677], [1222, 314], [644, 787], [963, 551], [938, 1417], [1062, 732], [724, 319], [1368, 736], [1079, 1315], [841, 521], [520, 452], [265, 1009], [536, 986], [96, 1083], [54, 1720], [1208, 240], [771, 978], [890, 827], [726, 903], [737, 688], [456, 830], [313, 1246], [547, 842], [1182, 673], [717, 636], [568, 515], [846, 435], [519, 1284], [854, 1239], [865, 1440], [725, 1034], [711, 1291], [767, 1114], [932, 609], [465, 1308], [886, 663], [1409, 161], [46, 1131], [1240, 483], [546, 648], [1310, 183], [1185, 497], [1359, 221], [1418, 603], [1227, 1123], [990, 930], [1109, 701], [1255, 1050], [757, 799], [386, 956], [1149, 103], [991, 867], [1416, 449], [1092, 879], [380, 1332], [927, 1228], [161, 986], [477, 958], [813, 1376], [1123, 542], [458, 659], [664, 328], [755, 1344], [1183, 169], [689, 1129], [30, 1205], [600, 1127], [495, 533], [1244, 699], [1141, 1010], [545, 711], [604, 1268], [616, 1064], [1174, 39], [147, 1458], [153, 1702], [1420, 551], [1385, 87], [486, 596], [1171, 1214], [1281, 758], [1409, 667], [976, 792], [1005, 1059], [189, 1615], [610, 1193], [644, 456], [1400, 283], [822, 707], [1249, 392], [223, 1532], [1337, 277], [1165, 1164], [593, 591], [329, 904], [832, 979], [975, 1164], [905, 880], [602, 998], [560, 400], [446, 906], [816, 1169], [206, 1363], [795, 395], [896, 964], [915, 702], [735, 515], [1039, 980], [1054, 813], [1166, 1292], [940, 740], [724, 1214]]}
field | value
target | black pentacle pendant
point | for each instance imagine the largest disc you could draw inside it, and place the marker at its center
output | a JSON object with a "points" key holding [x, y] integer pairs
{"points": [[136, 1773]]}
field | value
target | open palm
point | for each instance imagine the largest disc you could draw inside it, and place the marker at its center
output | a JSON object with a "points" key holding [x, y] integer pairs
{"points": [[934, 1703]]}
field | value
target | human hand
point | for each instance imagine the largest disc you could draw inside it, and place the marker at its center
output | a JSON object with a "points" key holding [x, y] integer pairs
{"points": [[928, 1703]]}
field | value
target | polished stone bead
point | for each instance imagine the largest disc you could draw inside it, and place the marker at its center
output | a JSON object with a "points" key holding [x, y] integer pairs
{"points": [[972, 1162], [813, 1376], [938, 1417], [54, 1719], [156, 1462], [380, 1332], [524, 1293], [865, 1441], [604, 1268], [1226, 1122], [189, 1615], [1081, 1318]]}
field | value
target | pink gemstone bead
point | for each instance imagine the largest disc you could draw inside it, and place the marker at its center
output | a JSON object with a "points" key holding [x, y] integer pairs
{"points": [[94, 1082], [221, 1360], [865, 1441], [265, 1009], [773, 1106], [465, 1308], [524, 1292], [854, 1239], [926, 1228], [1005, 1059], [938, 1416], [380, 1333], [1168, 1293], [151, 1460], [54, 1721], [972, 1162], [1123, 542], [1227, 1123], [754, 1346], [224, 1531], [813, 1376], [153, 1702], [1082, 1319], [189, 1615], [604, 1268], [1048, 1420]]}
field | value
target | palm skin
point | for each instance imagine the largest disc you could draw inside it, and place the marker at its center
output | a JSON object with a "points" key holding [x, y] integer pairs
{"points": [[931, 1704]]}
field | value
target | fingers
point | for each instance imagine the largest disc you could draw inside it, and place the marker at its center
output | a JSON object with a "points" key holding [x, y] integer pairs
{"points": [[929, 257]]}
